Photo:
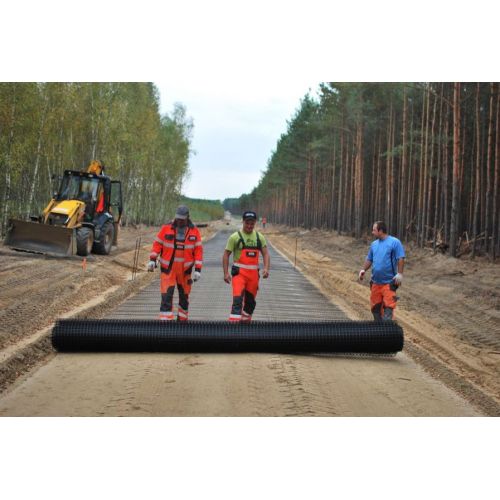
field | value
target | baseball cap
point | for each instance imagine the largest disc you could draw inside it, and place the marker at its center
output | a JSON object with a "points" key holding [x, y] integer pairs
{"points": [[249, 214], [182, 212]]}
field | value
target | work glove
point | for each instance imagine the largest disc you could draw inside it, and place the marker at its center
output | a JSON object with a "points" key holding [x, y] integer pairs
{"points": [[151, 266], [398, 279], [196, 275], [361, 274]]}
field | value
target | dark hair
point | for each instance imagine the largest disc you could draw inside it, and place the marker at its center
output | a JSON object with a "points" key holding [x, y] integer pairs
{"points": [[381, 226]]}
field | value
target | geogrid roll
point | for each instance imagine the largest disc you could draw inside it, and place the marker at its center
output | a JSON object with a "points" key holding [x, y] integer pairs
{"points": [[73, 335]]}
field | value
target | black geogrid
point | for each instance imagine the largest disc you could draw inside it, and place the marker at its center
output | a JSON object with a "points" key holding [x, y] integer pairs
{"points": [[216, 336], [291, 316]]}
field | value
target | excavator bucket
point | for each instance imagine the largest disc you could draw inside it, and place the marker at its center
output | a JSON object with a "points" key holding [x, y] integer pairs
{"points": [[40, 238]]}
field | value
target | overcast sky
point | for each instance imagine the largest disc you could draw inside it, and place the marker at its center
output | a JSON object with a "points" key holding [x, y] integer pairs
{"points": [[236, 127]]}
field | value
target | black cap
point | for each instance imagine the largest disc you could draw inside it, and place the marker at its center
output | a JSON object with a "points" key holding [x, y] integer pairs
{"points": [[249, 214], [182, 212]]}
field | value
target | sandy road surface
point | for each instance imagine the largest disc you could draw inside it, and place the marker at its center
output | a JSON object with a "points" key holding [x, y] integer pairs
{"points": [[232, 385], [449, 308]]}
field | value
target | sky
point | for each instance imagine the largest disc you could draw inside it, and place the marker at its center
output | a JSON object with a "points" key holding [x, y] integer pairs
{"points": [[236, 128]]}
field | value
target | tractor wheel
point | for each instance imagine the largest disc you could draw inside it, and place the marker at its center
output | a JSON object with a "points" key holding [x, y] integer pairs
{"points": [[84, 241], [103, 247]]}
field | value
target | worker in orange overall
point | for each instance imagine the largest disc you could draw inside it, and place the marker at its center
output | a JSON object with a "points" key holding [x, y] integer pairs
{"points": [[179, 250], [386, 257], [246, 246]]}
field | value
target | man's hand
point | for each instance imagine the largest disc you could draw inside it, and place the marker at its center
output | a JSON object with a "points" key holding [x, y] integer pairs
{"points": [[227, 278], [398, 279], [196, 275], [361, 274], [151, 266], [265, 273]]}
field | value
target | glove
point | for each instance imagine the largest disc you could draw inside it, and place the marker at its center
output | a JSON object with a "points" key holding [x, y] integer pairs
{"points": [[151, 266], [361, 274], [196, 275], [398, 279]]}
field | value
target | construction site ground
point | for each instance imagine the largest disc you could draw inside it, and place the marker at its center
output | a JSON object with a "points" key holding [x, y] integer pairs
{"points": [[448, 308]]}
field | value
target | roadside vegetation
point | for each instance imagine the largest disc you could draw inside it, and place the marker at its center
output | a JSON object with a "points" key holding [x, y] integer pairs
{"points": [[46, 128]]}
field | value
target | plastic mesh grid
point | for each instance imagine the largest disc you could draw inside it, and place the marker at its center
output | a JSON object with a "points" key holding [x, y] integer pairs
{"points": [[291, 316], [216, 336]]}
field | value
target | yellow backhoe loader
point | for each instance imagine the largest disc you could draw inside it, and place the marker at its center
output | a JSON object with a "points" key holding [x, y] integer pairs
{"points": [[82, 217]]}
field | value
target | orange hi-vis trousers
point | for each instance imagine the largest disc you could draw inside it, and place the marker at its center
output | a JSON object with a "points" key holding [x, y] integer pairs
{"points": [[382, 301], [176, 276], [245, 287]]}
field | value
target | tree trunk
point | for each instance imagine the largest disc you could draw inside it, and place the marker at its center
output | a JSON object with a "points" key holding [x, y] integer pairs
{"points": [[8, 163], [38, 154], [456, 170], [495, 220], [477, 176], [488, 170]]}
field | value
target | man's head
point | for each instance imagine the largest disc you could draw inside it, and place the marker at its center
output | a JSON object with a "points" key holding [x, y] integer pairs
{"points": [[379, 230], [249, 220], [181, 215]]}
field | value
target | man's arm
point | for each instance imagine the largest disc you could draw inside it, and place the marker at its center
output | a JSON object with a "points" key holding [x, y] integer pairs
{"points": [[398, 279], [400, 256], [401, 265], [225, 266], [267, 262], [366, 266]]}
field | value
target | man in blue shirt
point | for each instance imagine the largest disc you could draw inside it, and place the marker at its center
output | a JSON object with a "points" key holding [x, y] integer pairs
{"points": [[386, 255]]}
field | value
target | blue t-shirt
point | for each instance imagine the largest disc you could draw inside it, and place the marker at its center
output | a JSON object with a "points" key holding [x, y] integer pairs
{"points": [[384, 256]]}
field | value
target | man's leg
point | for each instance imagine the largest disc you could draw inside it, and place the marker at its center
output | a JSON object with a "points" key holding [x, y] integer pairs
{"points": [[167, 287], [238, 284], [184, 289], [376, 299], [251, 289], [389, 301]]}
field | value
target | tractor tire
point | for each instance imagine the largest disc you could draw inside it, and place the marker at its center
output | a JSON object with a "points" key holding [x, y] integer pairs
{"points": [[103, 247], [84, 241]]}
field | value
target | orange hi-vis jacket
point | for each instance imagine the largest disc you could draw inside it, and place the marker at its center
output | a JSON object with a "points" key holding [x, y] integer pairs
{"points": [[190, 251]]}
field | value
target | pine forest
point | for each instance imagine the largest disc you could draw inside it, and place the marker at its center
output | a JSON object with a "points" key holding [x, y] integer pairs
{"points": [[423, 157]]}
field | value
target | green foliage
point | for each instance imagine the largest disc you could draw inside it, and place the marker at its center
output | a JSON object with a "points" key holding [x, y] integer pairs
{"points": [[203, 210], [49, 127]]}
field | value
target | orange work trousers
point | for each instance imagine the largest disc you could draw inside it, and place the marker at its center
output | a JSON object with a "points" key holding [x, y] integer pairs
{"points": [[383, 297], [245, 287], [168, 282]]}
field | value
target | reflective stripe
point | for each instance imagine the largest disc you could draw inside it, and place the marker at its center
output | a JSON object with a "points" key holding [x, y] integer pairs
{"points": [[167, 262], [188, 264], [246, 266], [188, 246], [182, 314], [159, 240], [198, 262], [234, 317], [153, 255], [168, 245], [198, 244], [166, 316]]}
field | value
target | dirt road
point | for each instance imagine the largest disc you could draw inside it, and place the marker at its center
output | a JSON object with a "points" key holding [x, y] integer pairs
{"points": [[233, 385]]}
